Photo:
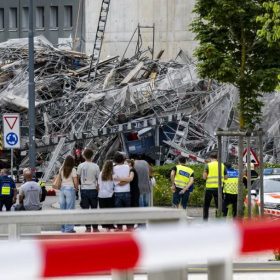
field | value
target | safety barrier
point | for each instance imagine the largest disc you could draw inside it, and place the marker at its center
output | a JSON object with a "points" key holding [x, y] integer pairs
{"points": [[15, 220], [165, 247]]}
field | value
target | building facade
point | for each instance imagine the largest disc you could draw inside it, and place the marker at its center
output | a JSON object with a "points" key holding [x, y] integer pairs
{"points": [[74, 23], [60, 21]]}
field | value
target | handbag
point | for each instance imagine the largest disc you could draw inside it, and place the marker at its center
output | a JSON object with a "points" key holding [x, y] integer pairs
{"points": [[57, 182]]}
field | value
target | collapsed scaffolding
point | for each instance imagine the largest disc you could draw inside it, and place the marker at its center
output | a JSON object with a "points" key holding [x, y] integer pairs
{"points": [[129, 100]]}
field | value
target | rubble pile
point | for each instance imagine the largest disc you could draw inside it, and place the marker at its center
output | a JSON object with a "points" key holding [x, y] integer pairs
{"points": [[70, 104]]}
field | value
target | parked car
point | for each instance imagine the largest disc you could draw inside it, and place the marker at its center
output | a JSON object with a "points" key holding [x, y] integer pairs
{"points": [[271, 185]]}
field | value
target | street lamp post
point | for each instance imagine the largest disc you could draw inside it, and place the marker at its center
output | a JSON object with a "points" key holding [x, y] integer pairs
{"points": [[31, 90]]}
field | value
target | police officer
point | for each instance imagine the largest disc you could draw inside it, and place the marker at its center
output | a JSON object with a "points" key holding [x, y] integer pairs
{"points": [[182, 178], [254, 175], [230, 190], [211, 175], [8, 191]]}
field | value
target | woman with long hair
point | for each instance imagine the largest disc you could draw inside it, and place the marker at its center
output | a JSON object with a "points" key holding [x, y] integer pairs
{"points": [[106, 188], [69, 185]]}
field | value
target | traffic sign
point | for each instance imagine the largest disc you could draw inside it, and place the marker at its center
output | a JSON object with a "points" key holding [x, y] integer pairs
{"points": [[253, 157], [11, 131]]}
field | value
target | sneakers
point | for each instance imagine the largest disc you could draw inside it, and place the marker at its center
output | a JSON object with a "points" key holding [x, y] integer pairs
{"points": [[88, 230]]}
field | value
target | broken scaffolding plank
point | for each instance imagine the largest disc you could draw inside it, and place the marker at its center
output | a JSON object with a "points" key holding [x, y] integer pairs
{"points": [[134, 125], [184, 152]]}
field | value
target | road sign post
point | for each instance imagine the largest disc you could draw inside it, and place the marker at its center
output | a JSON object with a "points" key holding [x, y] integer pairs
{"points": [[11, 134], [31, 90]]}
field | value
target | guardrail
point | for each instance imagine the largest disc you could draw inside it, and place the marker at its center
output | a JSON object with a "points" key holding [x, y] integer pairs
{"points": [[14, 220]]}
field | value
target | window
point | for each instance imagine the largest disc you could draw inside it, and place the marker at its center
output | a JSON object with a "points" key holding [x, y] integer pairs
{"points": [[13, 24], [53, 17], [25, 18], [40, 19], [68, 16], [2, 18]]}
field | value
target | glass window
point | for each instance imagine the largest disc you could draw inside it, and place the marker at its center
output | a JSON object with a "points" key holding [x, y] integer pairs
{"points": [[13, 24], [272, 185], [68, 16], [25, 18], [40, 19], [53, 16], [2, 18]]}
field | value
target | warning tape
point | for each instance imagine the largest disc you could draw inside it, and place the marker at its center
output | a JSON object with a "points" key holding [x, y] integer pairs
{"points": [[161, 247]]}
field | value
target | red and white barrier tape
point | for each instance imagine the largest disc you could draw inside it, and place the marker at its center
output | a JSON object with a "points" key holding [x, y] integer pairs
{"points": [[161, 247]]}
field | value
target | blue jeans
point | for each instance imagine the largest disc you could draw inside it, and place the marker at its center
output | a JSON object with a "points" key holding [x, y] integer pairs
{"points": [[67, 198], [183, 198], [144, 199], [89, 199], [122, 199]]}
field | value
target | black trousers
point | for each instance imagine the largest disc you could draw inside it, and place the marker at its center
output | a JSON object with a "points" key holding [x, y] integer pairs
{"points": [[7, 202], [108, 202], [209, 194], [230, 199]]}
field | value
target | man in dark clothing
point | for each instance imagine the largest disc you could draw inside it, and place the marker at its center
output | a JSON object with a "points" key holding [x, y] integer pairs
{"points": [[8, 191], [211, 175], [254, 175]]}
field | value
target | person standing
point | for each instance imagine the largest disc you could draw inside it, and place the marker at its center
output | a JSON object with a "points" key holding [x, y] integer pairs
{"points": [[182, 179], [88, 173], [211, 175], [254, 175], [144, 183], [133, 180], [122, 190], [29, 193], [230, 190], [78, 160], [69, 184], [8, 191], [106, 189]]}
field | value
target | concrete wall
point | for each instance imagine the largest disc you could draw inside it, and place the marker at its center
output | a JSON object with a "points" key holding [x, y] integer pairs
{"points": [[171, 18]]}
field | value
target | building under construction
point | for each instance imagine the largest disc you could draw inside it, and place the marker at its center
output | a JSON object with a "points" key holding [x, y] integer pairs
{"points": [[135, 102]]}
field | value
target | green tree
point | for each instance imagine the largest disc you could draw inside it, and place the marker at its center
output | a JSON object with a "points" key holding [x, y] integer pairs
{"points": [[271, 22], [231, 51]]}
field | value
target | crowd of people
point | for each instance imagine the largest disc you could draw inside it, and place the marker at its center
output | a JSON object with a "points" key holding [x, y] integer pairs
{"points": [[122, 182]]}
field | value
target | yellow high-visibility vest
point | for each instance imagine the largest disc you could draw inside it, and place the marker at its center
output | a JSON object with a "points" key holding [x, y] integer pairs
{"points": [[182, 176], [212, 181], [231, 184]]}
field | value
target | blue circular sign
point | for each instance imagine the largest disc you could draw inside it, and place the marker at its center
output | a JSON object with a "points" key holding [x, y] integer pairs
{"points": [[12, 139]]}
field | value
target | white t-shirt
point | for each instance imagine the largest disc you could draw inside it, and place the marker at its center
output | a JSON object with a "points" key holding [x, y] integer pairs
{"points": [[68, 182], [121, 171], [88, 172], [106, 188]]}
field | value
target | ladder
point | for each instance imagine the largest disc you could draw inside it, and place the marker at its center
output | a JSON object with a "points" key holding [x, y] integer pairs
{"points": [[99, 38], [179, 137], [54, 159]]}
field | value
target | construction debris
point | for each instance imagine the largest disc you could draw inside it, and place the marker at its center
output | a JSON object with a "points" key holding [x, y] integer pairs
{"points": [[116, 110]]}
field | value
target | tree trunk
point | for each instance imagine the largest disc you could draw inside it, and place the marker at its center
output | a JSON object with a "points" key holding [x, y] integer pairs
{"points": [[242, 92]]}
